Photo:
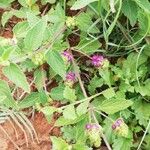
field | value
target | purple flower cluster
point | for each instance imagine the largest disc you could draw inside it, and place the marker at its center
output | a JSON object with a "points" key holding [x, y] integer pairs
{"points": [[97, 60], [70, 76], [67, 56], [117, 123], [91, 126]]}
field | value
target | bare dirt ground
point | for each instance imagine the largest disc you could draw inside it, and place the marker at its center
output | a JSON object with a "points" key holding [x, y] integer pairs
{"points": [[43, 129]]}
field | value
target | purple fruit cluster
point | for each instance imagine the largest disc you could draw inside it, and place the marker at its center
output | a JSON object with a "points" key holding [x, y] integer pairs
{"points": [[67, 55], [70, 77], [91, 126], [117, 123], [97, 60]]}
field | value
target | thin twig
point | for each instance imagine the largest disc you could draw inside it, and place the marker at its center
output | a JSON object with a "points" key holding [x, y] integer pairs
{"points": [[103, 136], [16, 146], [147, 128], [112, 6], [91, 112], [16, 133], [79, 78], [104, 115]]}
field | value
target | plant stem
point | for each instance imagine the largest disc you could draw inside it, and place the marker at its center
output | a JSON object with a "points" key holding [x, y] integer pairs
{"points": [[16, 146], [91, 112], [104, 115], [103, 136], [112, 6], [147, 128], [83, 100]]}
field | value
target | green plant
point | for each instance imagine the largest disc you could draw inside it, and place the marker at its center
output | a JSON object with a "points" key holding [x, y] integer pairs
{"points": [[99, 59]]}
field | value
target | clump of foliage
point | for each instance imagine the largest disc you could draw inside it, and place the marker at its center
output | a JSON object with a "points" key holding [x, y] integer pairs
{"points": [[97, 54]]}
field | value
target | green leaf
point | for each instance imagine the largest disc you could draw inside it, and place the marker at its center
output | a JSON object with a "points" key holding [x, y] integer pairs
{"points": [[69, 113], [144, 4], [82, 108], [106, 75], [43, 97], [6, 16], [14, 73], [88, 46], [35, 35], [107, 129], [29, 101], [144, 90], [5, 3], [142, 111], [56, 62], [130, 10], [2, 98], [75, 133], [81, 3], [5, 92], [49, 1], [112, 106], [57, 15], [80, 146], [109, 93], [63, 121], [32, 19], [122, 144], [57, 92], [59, 143], [69, 94], [96, 82], [40, 76], [7, 53], [48, 110], [143, 19], [84, 23], [20, 29], [26, 3]]}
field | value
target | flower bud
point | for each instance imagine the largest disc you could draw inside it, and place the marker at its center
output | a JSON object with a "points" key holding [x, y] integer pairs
{"points": [[38, 59], [97, 60], [67, 56], [105, 63], [93, 132], [70, 78], [71, 22], [120, 127]]}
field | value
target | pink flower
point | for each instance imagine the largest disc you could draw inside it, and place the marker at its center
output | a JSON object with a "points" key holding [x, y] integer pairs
{"points": [[88, 126], [117, 123], [67, 56], [92, 126], [70, 76], [97, 60]]}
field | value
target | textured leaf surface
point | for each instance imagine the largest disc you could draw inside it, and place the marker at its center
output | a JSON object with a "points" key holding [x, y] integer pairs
{"points": [[81, 3], [29, 101], [122, 144], [112, 106], [56, 62], [130, 10], [15, 74], [35, 35], [59, 143], [69, 113], [6, 94], [69, 93]]}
